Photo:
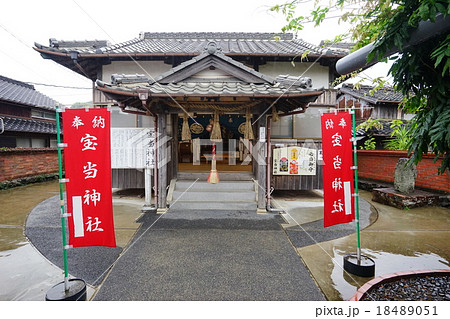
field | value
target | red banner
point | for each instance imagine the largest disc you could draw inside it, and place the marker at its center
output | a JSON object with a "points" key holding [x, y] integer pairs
{"points": [[337, 170], [87, 160]]}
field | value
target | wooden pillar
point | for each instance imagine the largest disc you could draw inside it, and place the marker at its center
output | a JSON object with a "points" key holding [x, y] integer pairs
{"points": [[162, 161], [260, 158], [175, 146], [148, 185]]}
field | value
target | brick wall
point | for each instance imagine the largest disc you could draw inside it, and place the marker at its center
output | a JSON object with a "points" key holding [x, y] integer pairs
{"points": [[380, 165], [19, 163]]}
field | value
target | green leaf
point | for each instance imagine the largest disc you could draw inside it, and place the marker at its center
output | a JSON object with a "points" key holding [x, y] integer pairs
{"points": [[446, 67], [424, 12], [440, 7]]}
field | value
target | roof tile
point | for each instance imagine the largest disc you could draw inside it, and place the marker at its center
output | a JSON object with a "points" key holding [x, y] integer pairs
{"points": [[23, 93], [373, 96], [212, 88], [14, 124], [193, 43]]}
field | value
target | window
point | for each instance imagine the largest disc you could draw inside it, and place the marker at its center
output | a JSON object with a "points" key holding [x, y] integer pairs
{"points": [[282, 128], [53, 143], [38, 142], [307, 125], [23, 142], [26, 142], [43, 114]]}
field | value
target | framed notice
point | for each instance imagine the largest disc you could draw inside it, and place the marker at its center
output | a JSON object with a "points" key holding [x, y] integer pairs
{"points": [[308, 157], [132, 148], [275, 161], [294, 161]]}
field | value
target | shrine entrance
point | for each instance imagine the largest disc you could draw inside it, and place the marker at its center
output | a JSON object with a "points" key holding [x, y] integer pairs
{"points": [[211, 86], [195, 154]]}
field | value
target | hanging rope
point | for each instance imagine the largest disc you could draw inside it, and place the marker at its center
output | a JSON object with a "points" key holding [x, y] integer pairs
{"points": [[216, 133], [216, 107], [248, 132], [185, 131], [213, 177], [275, 116]]}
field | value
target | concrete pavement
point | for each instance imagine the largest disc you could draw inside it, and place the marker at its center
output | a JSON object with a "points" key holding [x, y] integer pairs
{"points": [[222, 255]]}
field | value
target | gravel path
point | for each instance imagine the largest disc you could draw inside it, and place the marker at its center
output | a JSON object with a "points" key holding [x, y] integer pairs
{"points": [[431, 288]]}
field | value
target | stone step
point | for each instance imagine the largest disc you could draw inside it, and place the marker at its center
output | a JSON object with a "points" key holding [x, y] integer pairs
{"points": [[201, 195], [211, 196], [196, 205], [223, 186], [223, 176]]}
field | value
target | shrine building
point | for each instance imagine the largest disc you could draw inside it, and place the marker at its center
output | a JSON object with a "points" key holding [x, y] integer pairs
{"points": [[255, 98]]}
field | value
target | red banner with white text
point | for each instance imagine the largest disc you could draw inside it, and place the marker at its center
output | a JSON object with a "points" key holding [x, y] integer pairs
{"points": [[338, 178], [87, 160]]}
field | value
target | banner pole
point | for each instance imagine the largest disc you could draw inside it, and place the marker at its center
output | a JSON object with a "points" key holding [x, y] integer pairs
{"points": [[355, 163], [61, 198]]}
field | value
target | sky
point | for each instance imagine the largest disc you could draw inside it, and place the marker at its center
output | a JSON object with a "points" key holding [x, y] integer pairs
{"points": [[22, 23]]}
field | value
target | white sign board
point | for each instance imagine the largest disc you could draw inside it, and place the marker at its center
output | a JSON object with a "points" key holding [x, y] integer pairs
{"points": [[132, 148], [262, 134], [294, 161]]}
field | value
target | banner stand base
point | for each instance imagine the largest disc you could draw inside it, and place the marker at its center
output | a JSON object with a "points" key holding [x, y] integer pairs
{"points": [[76, 291], [149, 209], [162, 210], [364, 268]]}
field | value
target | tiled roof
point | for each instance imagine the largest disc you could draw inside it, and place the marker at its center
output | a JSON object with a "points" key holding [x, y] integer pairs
{"points": [[78, 45], [347, 46], [22, 93], [257, 84], [238, 43], [293, 81], [14, 124], [367, 93], [211, 52], [212, 88], [216, 35]]}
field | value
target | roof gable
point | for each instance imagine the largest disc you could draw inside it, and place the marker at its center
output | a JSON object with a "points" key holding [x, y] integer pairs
{"points": [[176, 47], [213, 58], [211, 74]]}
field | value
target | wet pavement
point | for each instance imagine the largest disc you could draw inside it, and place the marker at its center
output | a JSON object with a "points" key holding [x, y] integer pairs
{"points": [[25, 273], [254, 257], [397, 240]]}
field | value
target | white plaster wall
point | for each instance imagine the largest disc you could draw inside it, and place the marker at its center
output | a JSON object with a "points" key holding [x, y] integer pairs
{"points": [[121, 119], [212, 74], [154, 68], [318, 73]]}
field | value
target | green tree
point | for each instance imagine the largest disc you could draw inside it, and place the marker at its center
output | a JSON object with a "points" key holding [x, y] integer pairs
{"points": [[80, 105], [421, 72], [400, 138]]}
